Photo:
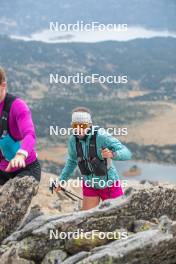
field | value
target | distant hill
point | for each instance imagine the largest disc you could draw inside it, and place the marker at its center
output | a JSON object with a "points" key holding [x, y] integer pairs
{"points": [[149, 65], [149, 94], [25, 17]]}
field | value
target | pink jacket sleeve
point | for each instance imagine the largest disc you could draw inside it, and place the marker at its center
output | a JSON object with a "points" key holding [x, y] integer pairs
{"points": [[25, 125]]}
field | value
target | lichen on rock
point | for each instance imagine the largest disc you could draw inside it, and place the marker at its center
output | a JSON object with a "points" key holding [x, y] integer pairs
{"points": [[15, 198], [147, 214]]}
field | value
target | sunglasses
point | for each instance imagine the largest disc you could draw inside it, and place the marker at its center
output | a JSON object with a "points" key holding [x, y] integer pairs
{"points": [[80, 125]]}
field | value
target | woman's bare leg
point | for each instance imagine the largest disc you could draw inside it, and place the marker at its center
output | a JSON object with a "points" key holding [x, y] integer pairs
{"points": [[90, 202]]}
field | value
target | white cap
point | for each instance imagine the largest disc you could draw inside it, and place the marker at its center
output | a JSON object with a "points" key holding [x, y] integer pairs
{"points": [[81, 117]]}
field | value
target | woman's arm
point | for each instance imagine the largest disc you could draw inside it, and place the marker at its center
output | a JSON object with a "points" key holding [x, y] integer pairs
{"points": [[120, 151], [22, 115]]}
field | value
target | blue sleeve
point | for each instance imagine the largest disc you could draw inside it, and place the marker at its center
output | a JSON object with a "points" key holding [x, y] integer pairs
{"points": [[8, 147], [71, 162], [121, 152]]}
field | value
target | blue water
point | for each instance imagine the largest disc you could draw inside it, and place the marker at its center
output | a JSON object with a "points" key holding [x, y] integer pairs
{"points": [[149, 171], [95, 36]]}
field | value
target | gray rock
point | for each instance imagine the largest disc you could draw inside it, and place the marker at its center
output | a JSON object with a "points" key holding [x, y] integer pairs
{"points": [[15, 199], [54, 257], [11, 257], [30, 227], [165, 224], [144, 247], [173, 228], [35, 248], [83, 242], [76, 258], [142, 225], [34, 212], [34, 242]]}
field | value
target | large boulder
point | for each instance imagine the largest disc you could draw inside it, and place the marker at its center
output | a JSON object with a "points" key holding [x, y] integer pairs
{"points": [[11, 257], [152, 247], [147, 215], [15, 198]]}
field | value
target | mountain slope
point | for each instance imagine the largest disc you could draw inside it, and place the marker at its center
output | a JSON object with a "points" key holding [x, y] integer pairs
{"points": [[25, 17]]}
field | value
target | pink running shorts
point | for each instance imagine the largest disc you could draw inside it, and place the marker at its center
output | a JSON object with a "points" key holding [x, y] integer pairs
{"points": [[111, 192]]}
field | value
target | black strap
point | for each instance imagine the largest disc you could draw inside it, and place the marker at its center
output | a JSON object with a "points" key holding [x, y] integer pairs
{"points": [[4, 127], [93, 146], [79, 149]]}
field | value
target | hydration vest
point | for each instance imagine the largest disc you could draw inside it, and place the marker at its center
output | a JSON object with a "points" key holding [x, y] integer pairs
{"points": [[8, 145], [4, 126], [92, 164]]}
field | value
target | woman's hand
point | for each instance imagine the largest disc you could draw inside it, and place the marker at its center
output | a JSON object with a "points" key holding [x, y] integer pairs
{"points": [[17, 162], [57, 189], [106, 153]]}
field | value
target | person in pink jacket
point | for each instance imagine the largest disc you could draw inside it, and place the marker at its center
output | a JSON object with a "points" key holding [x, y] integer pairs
{"points": [[17, 141], [20, 171]]}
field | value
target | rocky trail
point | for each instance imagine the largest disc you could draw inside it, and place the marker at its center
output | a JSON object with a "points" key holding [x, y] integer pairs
{"points": [[146, 215]]}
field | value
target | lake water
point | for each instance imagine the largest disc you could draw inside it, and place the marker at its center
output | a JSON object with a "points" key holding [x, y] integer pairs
{"points": [[149, 171], [95, 36]]}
